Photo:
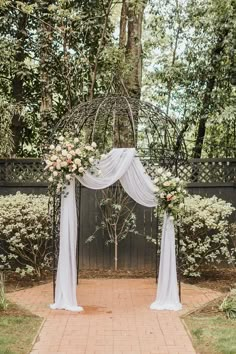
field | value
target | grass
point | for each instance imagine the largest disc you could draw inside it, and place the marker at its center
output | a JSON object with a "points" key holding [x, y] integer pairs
{"points": [[18, 328], [212, 334]]}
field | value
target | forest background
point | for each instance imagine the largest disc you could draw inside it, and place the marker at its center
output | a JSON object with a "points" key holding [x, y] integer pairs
{"points": [[177, 54]]}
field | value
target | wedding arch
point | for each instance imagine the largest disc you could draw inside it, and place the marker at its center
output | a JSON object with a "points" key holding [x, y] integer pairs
{"points": [[148, 135]]}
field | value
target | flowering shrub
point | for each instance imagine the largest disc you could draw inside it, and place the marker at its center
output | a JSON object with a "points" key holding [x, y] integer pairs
{"points": [[25, 239], [69, 158], [170, 192], [205, 235]]}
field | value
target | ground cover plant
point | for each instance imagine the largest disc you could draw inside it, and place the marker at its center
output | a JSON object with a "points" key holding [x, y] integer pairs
{"points": [[18, 328], [212, 331]]}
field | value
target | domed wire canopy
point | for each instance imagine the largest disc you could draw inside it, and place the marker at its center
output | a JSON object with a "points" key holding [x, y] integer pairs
{"points": [[123, 121], [115, 121]]}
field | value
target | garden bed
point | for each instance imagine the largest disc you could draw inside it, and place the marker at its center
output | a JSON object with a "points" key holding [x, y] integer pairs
{"points": [[211, 331], [222, 279], [18, 328]]}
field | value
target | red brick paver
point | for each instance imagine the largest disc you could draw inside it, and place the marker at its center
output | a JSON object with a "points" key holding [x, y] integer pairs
{"points": [[116, 320]]}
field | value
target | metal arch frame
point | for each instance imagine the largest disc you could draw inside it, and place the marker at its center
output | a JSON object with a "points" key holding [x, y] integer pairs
{"points": [[89, 112]]}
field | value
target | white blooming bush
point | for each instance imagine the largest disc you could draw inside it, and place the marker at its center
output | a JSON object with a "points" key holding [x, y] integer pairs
{"points": [[170, 192], [205, 234], [25, 238], [69, 158]]}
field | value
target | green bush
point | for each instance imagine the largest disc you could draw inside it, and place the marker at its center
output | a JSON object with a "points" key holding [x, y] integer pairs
{"points": [[25, 237]]}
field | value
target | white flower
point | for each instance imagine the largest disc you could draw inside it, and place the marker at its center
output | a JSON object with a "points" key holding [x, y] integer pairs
{"points": [[89, 148], [78, 151], [103, 156], [178, 189], [160, 170], [61, 138], [53, 157], [166, 184], [51, 168], [51, 147], [50, 179], [171, 218], [162, 195], [64, 152], [91, 159], [78, 162], [74, 167], [168, 174], [157, 189], [69, 156], [63, 164], [81, 170], [68, 177], [94, 145], [156, 180], [177, 179], [72, 152], [58, 148], [48, 162], [55, 173], [76, 140]]}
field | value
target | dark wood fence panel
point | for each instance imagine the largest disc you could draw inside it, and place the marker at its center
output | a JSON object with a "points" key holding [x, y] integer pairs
{"points": [[134, 252], [226, 191]]}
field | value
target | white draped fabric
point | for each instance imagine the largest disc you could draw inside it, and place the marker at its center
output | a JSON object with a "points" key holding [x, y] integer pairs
{"points": [[65, 295], [167, 295], [124, 165]]}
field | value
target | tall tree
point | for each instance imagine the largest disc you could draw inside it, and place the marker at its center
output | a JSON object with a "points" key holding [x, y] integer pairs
{"points": [[53, 62], [189, 67], [129, 74], [131, 22]]}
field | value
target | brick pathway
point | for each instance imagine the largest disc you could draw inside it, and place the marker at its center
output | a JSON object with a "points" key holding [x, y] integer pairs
{"points": [[116, 319]]}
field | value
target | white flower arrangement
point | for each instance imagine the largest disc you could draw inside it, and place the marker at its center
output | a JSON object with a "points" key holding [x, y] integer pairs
{"points": [[170, 192], [69, 158]]}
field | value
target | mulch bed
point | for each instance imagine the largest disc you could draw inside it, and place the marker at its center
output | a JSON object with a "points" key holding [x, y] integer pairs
{"points": [[221, 279], [16, 311]]}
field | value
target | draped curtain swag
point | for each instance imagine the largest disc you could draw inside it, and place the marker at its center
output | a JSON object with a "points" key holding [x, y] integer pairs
{"points": [[120, 164]]}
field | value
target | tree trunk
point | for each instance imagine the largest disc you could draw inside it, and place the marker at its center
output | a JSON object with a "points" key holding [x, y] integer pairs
{"points": [[45, 52], [134, 49], [131, 19], [116, 253], [207, 99], [17, 82]]}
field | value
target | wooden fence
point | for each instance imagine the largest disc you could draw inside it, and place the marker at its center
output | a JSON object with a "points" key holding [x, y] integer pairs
{"points": [[206, 177]]}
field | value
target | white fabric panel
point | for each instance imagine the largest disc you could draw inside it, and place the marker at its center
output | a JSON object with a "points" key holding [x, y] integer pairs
{"points": [[138, 184], [119, 164], [113, 167], [167, 289], [65, 296]]}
